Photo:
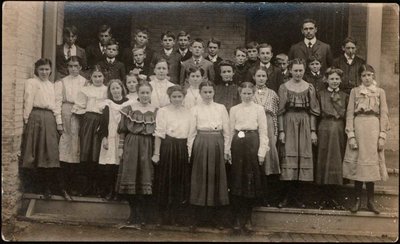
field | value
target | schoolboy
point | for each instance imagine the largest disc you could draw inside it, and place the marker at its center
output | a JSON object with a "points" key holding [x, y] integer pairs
{"points": [[349, 63], [113, 69], [197, 49], [139, 66], [141, 40], [96, 52], [213, 46], [183, 44], [241, 65], [314, 74], [282, 62], [252, 53]]}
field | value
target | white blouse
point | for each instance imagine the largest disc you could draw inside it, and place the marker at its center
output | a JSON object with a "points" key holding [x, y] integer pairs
{"points": [[67, 89], [192, 98], [40, 94], [159, 96], [250, 117], [132, 96], [172, 121], [89, 99], [209, 117]]}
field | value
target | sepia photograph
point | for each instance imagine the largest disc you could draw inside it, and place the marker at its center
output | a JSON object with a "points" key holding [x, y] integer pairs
{"points": [[200, 121]]}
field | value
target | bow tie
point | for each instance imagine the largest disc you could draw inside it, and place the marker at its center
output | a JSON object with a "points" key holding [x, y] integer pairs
{"points": [[333, 90], [139, 66]]}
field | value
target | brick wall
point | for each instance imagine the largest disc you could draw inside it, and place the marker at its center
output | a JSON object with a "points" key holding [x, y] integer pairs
{"points": [[21, 46], [358, 26], [229, 26]]}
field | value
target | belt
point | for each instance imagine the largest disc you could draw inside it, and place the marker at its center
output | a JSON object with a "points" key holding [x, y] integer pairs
{"points": [[44, 109], [209, 131], [246, 131]]}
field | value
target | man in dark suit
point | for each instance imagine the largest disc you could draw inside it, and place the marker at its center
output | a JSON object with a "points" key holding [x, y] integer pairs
{"points": [[310, 46], [213, 46], [197, 49], [68, 49], [112, 68], [96, 51], [183, 43]]}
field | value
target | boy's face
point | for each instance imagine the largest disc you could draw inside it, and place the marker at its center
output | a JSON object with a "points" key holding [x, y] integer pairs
{"points": [[168, 42], [309, 30], [183, 42], [197, 49], [104, 37], [141, 39], [314, 66], [213, 49], [265, 55], [112, 51], [252, 53], [139, 56], [70, 39], [74, 67], [226, 73], [240, 57], [282, 63], [350, 49]]}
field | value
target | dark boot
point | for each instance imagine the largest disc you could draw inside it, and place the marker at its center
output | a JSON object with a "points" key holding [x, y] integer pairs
{"points": [[357, 192], [248, 226], [236, 224], [370, 194], [284, 202]]}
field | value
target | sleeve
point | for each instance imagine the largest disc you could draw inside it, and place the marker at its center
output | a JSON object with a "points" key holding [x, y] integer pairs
{"points": [[329, 57], [350, 115], [278, 81], [232, 123], [275, 106], [211, 73], [262, 131], [182, 76], [314, 104], [84, 60], [225, 129], [58, 92], [80, 103], [104, 121], [29, 95], [282, 100], [291, 52], [122, 128], [122, 72], [248, 76], [161, 124], [383, 115], [192, 130]]}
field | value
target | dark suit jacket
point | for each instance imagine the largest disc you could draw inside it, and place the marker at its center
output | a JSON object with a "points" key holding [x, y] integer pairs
{"points": [[218, 79], [240, 73], [115, 70], [187, 55], [93, 55], [350, 77], [174, 62], [204, 64], [127, 56], [144, 71], [319, 49], [274, 74], [316, 80], [61, 61]]}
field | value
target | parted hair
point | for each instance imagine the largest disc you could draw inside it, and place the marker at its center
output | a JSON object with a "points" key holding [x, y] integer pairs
{"points": [[333, 70], [175, 88], [119, 82], [206, 83], [296, 61], [40, 62], [247, 84]]}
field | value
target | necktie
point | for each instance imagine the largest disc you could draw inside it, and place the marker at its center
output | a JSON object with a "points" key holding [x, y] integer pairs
{"points": [[103, 49], [69, 53], [309, 45], [196, 61]]}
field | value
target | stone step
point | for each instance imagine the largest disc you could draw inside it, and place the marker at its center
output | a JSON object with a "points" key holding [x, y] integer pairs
{"points": [[95, 211]]}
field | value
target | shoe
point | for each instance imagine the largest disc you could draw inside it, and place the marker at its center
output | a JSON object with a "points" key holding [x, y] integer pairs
{"points": [[110, 196], [283, 203], [356, 206], [47, 194], [371, 207], [66, 195], [248, 227], [300, 204], [236, 225]]}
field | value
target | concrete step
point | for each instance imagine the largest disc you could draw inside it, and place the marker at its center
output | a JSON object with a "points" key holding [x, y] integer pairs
{"points": [[393, 179], [93, 211]]}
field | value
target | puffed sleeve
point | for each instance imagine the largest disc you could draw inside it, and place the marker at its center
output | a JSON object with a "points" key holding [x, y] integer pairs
{"points": [[58, 90], [104, 122], [275, 107], [350, 114], [192, 130], [262, 132], [80, 103], [232, 123], [314, 104], [29, 95], [122, 128], [282, 93], [383, 114], [161, 124], [225, 129]]}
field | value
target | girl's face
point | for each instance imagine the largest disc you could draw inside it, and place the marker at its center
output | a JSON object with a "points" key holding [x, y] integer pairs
{"points": [[73, 68], [314, 66], [240, 57], [260, 77], [131, 83], [207, 93], [334, 80], [116, 90], [227, 73], [161, 70], [144, 94], [176, 98], [44, 71], [246, 95], [367, 78], [297, 72], [97, 78], [195, 79]]}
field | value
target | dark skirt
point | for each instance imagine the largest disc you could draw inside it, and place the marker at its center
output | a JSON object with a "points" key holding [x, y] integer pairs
{"points": [[331, 148], [135, 174], [172, 175], [245, 170], [90, 143], [40, 141], [208, 182]]}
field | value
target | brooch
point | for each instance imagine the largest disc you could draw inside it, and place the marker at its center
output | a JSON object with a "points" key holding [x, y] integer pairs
{"points": [[241, 134]]}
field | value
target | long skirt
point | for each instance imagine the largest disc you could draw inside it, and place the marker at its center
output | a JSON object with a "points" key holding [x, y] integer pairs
{"points": [[208, 182], [89, 138], [331, 148], [135, 174], [365, 163], [245, 171], [172, 175], [271, 164], [69, 141], [297, 161], [40, 142]]}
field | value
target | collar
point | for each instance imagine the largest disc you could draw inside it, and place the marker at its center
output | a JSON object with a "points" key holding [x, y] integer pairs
{"points": [[265, 65], [182, 52], [139, 65], [213, 59], [101, 47], [315, 74], [369, 89], [227, 83], [200, 59], [285, 72], [347, 57], [168, 52], [66, 46], [332, 90], [135, 46], [110, 60], [313, 41], [261, 87]]}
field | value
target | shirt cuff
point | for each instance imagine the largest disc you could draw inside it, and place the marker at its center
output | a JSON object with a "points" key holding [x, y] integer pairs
{"points": [[382, 135], [350, 134], [58, 120]]}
